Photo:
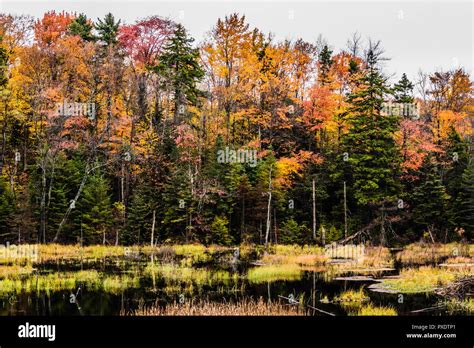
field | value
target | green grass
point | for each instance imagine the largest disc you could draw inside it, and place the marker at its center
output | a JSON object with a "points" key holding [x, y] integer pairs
{"points": [[423, 279], [92, 279], [199, 276], [262, 274]]}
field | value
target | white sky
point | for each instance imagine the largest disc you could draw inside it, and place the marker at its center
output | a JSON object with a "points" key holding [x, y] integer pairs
{"points": [[421, 34]]}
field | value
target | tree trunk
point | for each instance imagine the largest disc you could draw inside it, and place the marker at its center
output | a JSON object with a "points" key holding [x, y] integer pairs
{"points": [[314, 209], [153, 228], [69, 209], [345, 212], [267, 232]]}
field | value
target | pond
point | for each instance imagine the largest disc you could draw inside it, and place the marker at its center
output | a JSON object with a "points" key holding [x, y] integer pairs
{"points": [[121, 286]]}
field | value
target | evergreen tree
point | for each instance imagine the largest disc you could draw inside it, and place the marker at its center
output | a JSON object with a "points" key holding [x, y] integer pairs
{"points": [[325, 63], [430, 202], [3, 64], [370, 145], [139, 216], [82, 27], [403, 90], [7, 208], [292, 233], [220, 231], [107, 30], [465, 204], [94, 209], [457, 157], [179, 66]]}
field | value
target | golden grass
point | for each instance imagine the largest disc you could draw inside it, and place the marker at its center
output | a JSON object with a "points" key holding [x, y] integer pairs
{"points": [[294, 255], [466, 305], [60, 251], [302, 260], [423, 253], [351, 296], [371, 310], [423, 279], [245, 307], [295, 250], [377, 257], [15, 271], [459, 260]]}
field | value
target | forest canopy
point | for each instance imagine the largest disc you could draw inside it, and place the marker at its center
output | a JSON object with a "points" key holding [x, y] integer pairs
{"points": [[115, 133]]}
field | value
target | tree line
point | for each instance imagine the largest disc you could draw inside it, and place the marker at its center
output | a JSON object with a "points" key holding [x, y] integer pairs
{"points": [[331, 162]]}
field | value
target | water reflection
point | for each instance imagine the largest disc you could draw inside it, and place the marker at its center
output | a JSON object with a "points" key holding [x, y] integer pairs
{"points": [[114, 286]]}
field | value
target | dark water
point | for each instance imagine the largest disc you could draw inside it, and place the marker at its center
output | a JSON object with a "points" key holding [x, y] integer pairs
{"points": [[315, 288]]}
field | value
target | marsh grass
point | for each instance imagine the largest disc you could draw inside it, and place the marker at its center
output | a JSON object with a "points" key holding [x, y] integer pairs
{"points": [[377, 257], [424, 253], [455, 306], [187, 254], [296, 250], [294, 255], [48, 252], [372, 310], [262, 274], [423, 279], [244, 307], [15, 271], [351, 296], [59, 281], [199, 276]]}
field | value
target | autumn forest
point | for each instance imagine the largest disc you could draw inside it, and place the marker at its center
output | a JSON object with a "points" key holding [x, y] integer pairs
{"points": [[127, 134]]}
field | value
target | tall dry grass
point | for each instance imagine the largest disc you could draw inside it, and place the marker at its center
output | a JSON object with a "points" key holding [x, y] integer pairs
{"points": [[245, 307]]}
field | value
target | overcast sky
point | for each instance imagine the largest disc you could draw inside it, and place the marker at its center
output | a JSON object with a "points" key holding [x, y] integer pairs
{"points": [[426, 35]]}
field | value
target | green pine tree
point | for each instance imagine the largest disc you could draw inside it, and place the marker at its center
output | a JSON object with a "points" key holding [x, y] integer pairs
{"points": [[3, 64], [325, 63], [107, 30], [403, 90], [7, 207], [179, 65], [370, 144], [94, 209], [220, 231], [82, 27], [139, 216], [465, 202], [430, 203]]}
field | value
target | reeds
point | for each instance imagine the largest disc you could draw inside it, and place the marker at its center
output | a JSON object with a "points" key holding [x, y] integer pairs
{"points": [[244, 307], [423, 253]]}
